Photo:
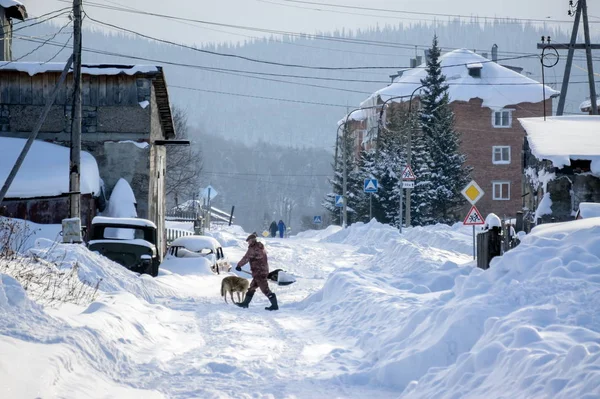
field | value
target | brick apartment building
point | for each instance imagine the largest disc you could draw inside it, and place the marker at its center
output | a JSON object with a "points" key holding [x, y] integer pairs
{"points": [[487, 99]]}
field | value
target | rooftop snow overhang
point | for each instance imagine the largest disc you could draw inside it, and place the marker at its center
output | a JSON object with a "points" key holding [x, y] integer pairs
{"points": [[14, 9], [153, 72]]}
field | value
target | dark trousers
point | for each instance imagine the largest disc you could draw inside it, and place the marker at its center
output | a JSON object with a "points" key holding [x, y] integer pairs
{"points": [[259, 281]]}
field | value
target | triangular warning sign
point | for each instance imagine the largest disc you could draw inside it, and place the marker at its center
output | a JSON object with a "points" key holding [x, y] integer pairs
{"points": [[408, 174], [473, 218], [371, 185]]}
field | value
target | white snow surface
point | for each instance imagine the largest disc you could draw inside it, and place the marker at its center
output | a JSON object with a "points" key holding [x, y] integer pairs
{"points": [[124, 221], [196, 243], [372, 314], [138, 144], [10, 3], [589, 210], [33, 68], [498, 86], [562, 138], [45, 170], [121, 205]]}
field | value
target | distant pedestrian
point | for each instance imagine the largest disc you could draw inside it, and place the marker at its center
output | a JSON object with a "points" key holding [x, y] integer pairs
{"points": [[281, 227], [273, 228]]}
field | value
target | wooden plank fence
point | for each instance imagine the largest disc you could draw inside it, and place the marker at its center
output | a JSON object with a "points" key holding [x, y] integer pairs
{"points": [[173, 234]]}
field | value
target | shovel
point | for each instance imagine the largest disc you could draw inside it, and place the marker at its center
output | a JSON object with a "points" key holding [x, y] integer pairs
{"points": [[274, 276]]}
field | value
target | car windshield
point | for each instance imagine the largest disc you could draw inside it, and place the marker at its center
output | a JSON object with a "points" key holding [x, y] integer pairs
{"points": [[122, 233]]}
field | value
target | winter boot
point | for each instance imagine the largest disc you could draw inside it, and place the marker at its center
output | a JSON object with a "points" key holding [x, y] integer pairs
{"points": [[247, 300], [273, 300]]}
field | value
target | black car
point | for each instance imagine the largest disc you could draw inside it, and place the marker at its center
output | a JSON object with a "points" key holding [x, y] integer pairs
{"points": [[127, 241]]}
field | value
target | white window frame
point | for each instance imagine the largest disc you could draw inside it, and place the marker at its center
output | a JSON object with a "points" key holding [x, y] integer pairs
{"points": [[509, 111], [501, 161], [495, 193]]}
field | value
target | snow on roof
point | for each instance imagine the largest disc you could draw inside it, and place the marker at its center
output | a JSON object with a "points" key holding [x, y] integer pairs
{"points": [[588, 210], [10, 3], [562, 138], [498, 86], [357, 115], [123, 221], [45, 171], [33, 68], [586, 106], [196, 243]]}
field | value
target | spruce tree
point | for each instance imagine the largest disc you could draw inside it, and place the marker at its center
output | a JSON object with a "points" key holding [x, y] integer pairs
{"points": [[448, 175]]}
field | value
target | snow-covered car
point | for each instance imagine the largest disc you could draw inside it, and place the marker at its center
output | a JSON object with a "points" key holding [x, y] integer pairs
{"points": [[128, 241], [201, 247]]}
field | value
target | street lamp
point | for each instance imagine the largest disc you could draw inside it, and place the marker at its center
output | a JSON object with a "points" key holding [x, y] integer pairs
{"points": [[408, 152]]}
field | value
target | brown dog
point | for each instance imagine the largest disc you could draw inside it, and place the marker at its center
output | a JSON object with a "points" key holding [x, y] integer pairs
{"points": [[233, 284]]}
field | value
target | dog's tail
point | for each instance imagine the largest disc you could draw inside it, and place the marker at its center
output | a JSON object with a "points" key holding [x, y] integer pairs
{"points": [[223, 290]]}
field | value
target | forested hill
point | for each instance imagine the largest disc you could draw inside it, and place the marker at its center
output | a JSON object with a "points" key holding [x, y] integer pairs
{"points": [[249, 114]]}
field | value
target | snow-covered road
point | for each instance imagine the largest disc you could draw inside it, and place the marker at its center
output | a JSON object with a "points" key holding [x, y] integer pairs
{"points": [[372, 314]]}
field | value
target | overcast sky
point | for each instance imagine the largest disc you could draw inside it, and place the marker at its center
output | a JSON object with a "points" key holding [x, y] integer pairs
{"points": [[302, 17]]}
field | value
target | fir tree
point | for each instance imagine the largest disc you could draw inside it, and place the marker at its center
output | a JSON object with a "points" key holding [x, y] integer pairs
{"points": [[354, 185], [448, 176]]}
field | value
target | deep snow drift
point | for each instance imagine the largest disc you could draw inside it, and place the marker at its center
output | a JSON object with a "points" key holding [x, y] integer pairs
{"points": [[373, 314]]}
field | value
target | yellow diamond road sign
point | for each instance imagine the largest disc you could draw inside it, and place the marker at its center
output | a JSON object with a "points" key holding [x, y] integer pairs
{"points": [[472, 192]]}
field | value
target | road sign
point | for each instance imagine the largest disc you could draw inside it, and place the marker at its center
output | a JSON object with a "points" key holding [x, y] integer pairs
{"points": [[408, 184], [371, 185], [473, 218], [339, 200], [472, 192], [209, 190], [408, 174], [317, 220]]}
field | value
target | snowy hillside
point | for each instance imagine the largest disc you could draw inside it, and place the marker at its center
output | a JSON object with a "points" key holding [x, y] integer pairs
{"points": [[373, 314]]}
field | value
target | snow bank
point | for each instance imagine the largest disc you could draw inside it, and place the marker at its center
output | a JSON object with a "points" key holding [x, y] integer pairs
{"points": [[319, 234], [429, 327], [94, 267]]}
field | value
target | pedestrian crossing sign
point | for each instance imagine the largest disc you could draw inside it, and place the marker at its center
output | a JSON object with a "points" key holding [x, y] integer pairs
{"points": [[408, 174], [473, 218], [317, 220], [339, 200], [370, 186]]}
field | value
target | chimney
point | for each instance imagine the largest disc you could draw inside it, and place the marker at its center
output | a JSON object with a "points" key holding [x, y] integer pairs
{"points": [[495, 52], [9, 10], [427, 52]]}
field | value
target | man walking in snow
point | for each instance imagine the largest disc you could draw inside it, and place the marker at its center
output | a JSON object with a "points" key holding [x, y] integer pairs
{"points": [[281, 227], [257, 256], [273, 228]]}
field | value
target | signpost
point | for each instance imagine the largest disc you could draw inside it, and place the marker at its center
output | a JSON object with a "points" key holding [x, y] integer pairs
{"points": [[407, 180], [339, 202], [371, 186], [473, 193]]}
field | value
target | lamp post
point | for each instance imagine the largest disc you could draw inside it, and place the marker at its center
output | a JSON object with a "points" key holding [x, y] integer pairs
{"points": [[550, 64], [345, 165], [408, 152]]}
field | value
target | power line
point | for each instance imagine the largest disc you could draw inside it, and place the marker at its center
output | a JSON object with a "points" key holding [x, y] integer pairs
{"points": [[420, 13], [258, 97], [236, 55], [227, 71], [40, 46]]}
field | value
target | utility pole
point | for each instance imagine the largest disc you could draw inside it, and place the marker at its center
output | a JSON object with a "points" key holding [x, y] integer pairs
{"points": [[75, 153], [34, 133], [572, 46], [345, 179]]}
